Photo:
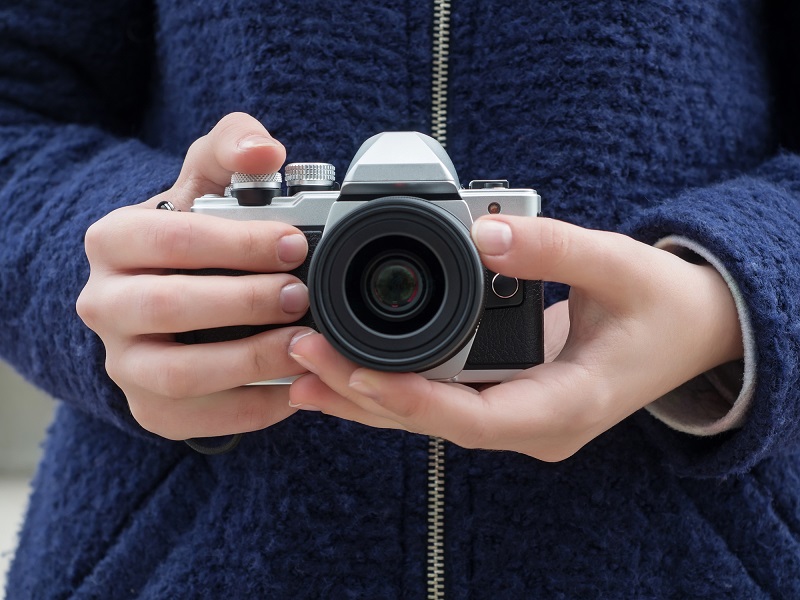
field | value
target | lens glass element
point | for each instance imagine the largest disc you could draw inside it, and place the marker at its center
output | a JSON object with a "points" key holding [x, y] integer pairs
{"points": [[394, 284], [390, 285]]}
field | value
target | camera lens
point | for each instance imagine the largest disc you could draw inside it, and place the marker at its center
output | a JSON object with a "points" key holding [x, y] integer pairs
{"points": [[390, 285], [396, 284]]}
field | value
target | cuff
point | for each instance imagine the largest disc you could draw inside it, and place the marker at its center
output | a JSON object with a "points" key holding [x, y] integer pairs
{"points": [[718, 400]]}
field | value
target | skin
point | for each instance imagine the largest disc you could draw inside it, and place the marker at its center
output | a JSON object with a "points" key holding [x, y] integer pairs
{"points": [[179, 391], [638, 322]]}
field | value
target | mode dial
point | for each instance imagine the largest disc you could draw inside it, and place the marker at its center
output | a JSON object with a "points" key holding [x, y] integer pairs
{"points": [[305, 177], [254, 189]]}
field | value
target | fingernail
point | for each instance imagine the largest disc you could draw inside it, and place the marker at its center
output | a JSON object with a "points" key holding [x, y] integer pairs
{"points": [[492, 238], [308, 407], [256, 141], [298, 336], [299, 358], [292, 248], [294, 298]]}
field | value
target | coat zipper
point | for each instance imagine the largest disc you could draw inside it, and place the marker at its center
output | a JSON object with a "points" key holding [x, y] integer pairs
{"points": [[436, 447], [435, 518], [441, 48]]}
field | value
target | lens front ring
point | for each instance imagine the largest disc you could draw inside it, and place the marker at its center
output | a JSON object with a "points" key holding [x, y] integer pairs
{"points": [[399, 227]]}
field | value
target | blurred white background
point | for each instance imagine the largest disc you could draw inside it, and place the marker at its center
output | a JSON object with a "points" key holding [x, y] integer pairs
{"points": [[24, 416]]}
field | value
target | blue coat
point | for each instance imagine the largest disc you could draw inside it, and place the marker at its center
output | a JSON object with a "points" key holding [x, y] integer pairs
{"points": [[652, 118]]}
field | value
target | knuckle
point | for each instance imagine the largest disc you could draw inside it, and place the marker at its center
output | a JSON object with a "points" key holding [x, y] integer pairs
{"points": [[114, 369], [255, 298], [150, 417], [232, 122], [159, 306], [144, 414], [260, 365], [231, 129], [191, 179], [175, 379], [144, 409], [171, 238], [554, 244], [251, 246], [236, 125], [94, 238], [252, 299], [87, 308], [250, 416], [102, 233], [193, 153], [195, 148], [149, 398]]}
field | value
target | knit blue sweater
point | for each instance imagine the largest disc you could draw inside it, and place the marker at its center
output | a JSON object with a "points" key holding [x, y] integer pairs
{"points": [[652, 118]]}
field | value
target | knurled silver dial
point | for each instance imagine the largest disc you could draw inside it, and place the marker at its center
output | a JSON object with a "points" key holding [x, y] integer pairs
{"points": [[240, 178], [254, 181], [323, 174]]}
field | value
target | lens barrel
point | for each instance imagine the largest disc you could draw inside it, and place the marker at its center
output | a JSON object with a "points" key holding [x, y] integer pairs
{"points": [[397, 284]]}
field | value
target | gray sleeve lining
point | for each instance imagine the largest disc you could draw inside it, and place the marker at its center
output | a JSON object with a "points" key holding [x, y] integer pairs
{"points": [[718, 400]]}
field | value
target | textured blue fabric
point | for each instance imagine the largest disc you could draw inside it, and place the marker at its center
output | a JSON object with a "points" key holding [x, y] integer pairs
{"points": [[651, 118]]}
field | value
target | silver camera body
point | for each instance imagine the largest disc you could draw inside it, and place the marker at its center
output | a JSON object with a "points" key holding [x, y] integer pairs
{"points": [[394, 280]]}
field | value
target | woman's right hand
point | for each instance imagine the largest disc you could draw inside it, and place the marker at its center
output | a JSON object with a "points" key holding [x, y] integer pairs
{"points": [[136, 302]]}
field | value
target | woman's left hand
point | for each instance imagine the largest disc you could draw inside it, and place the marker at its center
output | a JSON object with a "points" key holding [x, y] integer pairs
{"points": [[639, 322]]}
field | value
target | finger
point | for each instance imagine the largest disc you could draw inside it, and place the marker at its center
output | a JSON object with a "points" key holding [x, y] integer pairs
{"points": [[233, 411], [132, 238], [449, 411], [174, 370], [549, 411], [409, 397], [238, 142], [309, 393], [314, 353], [176, 303], [548, 414], [556, 329], [541, 413], [540, 248]]}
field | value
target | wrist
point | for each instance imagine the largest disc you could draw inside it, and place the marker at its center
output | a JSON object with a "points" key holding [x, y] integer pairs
{"points": [[720, 313], [725, 339]]}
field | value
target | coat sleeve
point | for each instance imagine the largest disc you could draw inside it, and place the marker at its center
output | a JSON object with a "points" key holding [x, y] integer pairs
{"points": [[749, 228], [751, 225], [73, 79]]}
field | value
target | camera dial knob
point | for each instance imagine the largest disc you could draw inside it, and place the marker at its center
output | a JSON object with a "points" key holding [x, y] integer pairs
{"points": [[254, 189], [305, 177]]}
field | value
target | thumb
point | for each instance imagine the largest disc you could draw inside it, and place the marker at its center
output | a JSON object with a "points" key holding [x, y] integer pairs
{"points": [[238, 142], [551, 250]]}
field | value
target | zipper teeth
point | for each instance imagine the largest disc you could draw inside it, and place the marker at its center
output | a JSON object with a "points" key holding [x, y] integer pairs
{"points": [[441, 47], [435, 518], [436, 473]]}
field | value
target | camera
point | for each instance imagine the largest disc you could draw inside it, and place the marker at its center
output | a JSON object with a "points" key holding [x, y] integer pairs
{"points": [[395, 282]]}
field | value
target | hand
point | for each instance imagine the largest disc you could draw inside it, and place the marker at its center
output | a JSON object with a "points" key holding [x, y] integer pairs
{"points": [[136, 302], [639, 322]]}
